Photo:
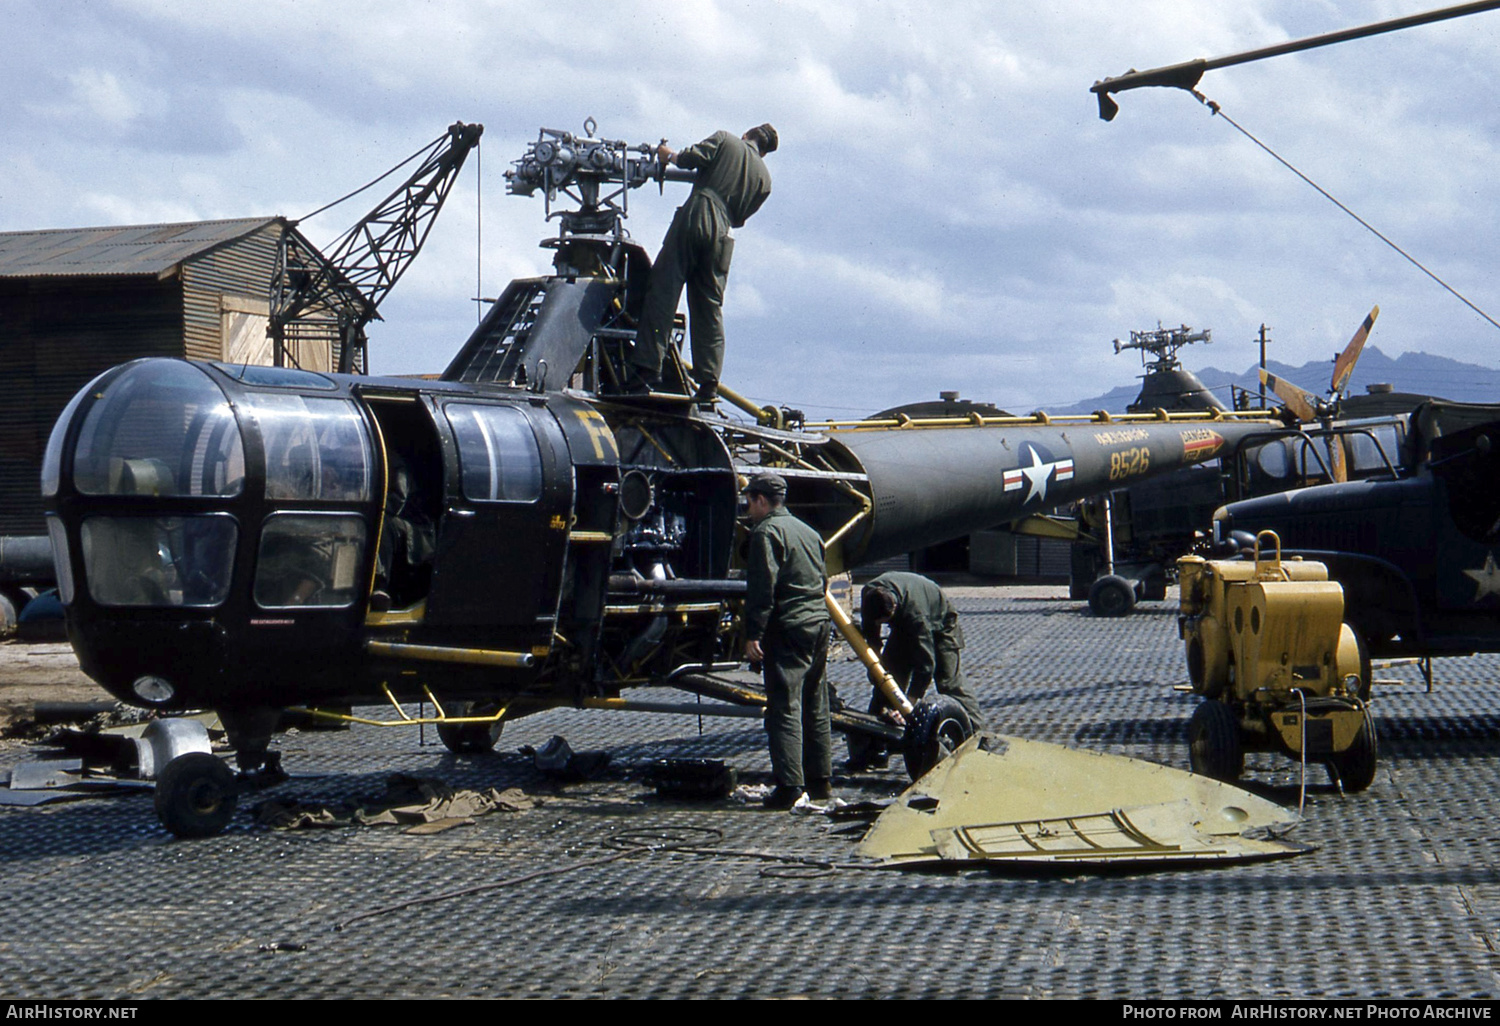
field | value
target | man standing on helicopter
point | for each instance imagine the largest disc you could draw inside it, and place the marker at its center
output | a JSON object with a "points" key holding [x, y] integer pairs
{"points": [[731, 185]]}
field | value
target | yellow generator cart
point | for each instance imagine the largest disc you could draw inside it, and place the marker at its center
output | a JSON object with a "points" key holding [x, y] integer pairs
{"points": [[1278, 669]]}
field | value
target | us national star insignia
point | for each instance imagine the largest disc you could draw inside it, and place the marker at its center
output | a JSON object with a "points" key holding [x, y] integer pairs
{"points": [[1487, 576], [1035, 476]]}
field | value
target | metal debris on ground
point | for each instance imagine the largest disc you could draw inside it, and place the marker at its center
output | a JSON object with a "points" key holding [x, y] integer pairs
{"points": [[422, 806], [44, 773], [557, 760], [138, 751], [1003, 800], [45, 781]]}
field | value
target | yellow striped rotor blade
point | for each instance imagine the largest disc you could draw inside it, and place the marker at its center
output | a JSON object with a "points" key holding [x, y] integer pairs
{"points": [[1343, 366], [1302, 403]]}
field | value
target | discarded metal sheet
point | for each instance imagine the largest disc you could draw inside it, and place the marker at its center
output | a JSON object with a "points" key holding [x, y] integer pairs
{"points": [[27, 799], [1005, 799], [45, 773], [43, 781]]}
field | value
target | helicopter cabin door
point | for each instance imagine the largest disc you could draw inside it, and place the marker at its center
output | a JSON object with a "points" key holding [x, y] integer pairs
{"points": [[502, 536]]}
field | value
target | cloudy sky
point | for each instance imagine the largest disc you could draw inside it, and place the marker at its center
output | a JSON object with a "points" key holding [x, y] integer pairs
{"points": [[949, 212]]}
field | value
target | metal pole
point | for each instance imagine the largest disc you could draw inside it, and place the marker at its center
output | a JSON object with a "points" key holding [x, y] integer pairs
{"points": [[1263, 341], [1109, 534]]}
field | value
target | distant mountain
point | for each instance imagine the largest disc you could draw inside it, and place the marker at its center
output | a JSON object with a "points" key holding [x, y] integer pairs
{"points": [[1419, 373]]}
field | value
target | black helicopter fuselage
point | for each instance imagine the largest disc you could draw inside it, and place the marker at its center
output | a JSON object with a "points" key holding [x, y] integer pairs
{"points": [[228, 535]]}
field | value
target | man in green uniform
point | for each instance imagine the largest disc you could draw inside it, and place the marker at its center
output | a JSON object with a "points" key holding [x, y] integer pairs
{"points": [[731, 184], [922, 650], [786, 629]]}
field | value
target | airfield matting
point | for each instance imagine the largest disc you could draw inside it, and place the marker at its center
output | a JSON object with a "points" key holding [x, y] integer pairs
{"points": [[1401, 899]]}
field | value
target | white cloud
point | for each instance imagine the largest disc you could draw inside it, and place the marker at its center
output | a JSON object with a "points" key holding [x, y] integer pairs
{"points": [[101, 95], [948, 210]]}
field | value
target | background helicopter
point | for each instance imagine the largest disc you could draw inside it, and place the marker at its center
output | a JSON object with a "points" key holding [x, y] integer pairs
{"points": [[510, 537], [1414, 543], [1138, 532]]}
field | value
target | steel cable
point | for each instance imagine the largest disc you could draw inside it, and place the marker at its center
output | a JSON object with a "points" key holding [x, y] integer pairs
{"points": [[1215, 109]]}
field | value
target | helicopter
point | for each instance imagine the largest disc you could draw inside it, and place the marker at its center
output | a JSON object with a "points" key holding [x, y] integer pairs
{"points": [[513, 535], [1147, 526]]}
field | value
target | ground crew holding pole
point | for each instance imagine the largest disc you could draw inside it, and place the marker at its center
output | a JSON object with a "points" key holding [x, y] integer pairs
{"points": [[923, 649], [731, 184], [786, 630]]}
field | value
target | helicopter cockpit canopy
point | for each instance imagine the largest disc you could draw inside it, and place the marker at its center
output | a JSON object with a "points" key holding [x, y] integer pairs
{"points": [[152, 461]]}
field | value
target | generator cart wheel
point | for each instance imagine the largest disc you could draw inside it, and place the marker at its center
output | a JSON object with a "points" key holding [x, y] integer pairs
{"points": [[1111, 595], [1214, 741], [470, 738], [934, 729], [196, 795], [1354, 768]]}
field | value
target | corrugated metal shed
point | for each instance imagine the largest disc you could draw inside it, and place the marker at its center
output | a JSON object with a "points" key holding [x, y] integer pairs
{"points": [[149, 249], [75, 301]]}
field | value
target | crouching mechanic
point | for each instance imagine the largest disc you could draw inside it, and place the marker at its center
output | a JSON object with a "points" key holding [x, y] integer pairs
{"points": [[786, 630], [922, 649]]}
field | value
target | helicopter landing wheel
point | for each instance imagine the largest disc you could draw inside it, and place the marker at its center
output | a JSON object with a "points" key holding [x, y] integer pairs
{"points": [[470, 738], [1354, 768], [196, 795], [934, 729], [1111, 595], [1214, 741]]}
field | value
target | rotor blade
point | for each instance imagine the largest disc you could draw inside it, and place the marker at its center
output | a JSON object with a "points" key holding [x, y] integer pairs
{"points": [[1301, 402], [1187, 74], [1343, 366]]}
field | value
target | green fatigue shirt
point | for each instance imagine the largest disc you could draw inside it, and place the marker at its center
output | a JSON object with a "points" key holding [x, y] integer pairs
{"points": [[923, 614], [785, 576], [730, 169]]}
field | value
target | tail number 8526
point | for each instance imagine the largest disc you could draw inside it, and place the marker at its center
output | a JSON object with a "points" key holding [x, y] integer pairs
{"points": [[1129, 462]]}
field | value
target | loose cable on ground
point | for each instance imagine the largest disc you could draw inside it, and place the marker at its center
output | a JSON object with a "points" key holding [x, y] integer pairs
{"points": [[682, 840]]}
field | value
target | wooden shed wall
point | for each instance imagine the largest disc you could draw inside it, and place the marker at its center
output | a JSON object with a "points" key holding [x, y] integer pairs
{"points": [[56, 334]]}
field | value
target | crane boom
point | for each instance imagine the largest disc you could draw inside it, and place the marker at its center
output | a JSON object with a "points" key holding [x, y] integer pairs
{"points": [[348, 285]]}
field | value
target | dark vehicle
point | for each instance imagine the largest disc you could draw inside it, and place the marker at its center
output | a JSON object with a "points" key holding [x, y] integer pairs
{"points": [[1414, 549]]}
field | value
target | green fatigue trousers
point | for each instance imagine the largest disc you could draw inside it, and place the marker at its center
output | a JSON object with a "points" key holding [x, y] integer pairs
{"points": [[797, 704], [696, 252]]}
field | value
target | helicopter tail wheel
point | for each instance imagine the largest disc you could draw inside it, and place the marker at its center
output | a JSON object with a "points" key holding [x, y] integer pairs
{"points": [[1214, 742], [933, 730], [470, 738], [1111, 595], [1354, 768], [195, 795]]}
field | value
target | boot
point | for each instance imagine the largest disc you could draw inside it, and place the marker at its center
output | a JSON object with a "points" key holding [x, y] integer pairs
{"points": [[783, 798]]}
